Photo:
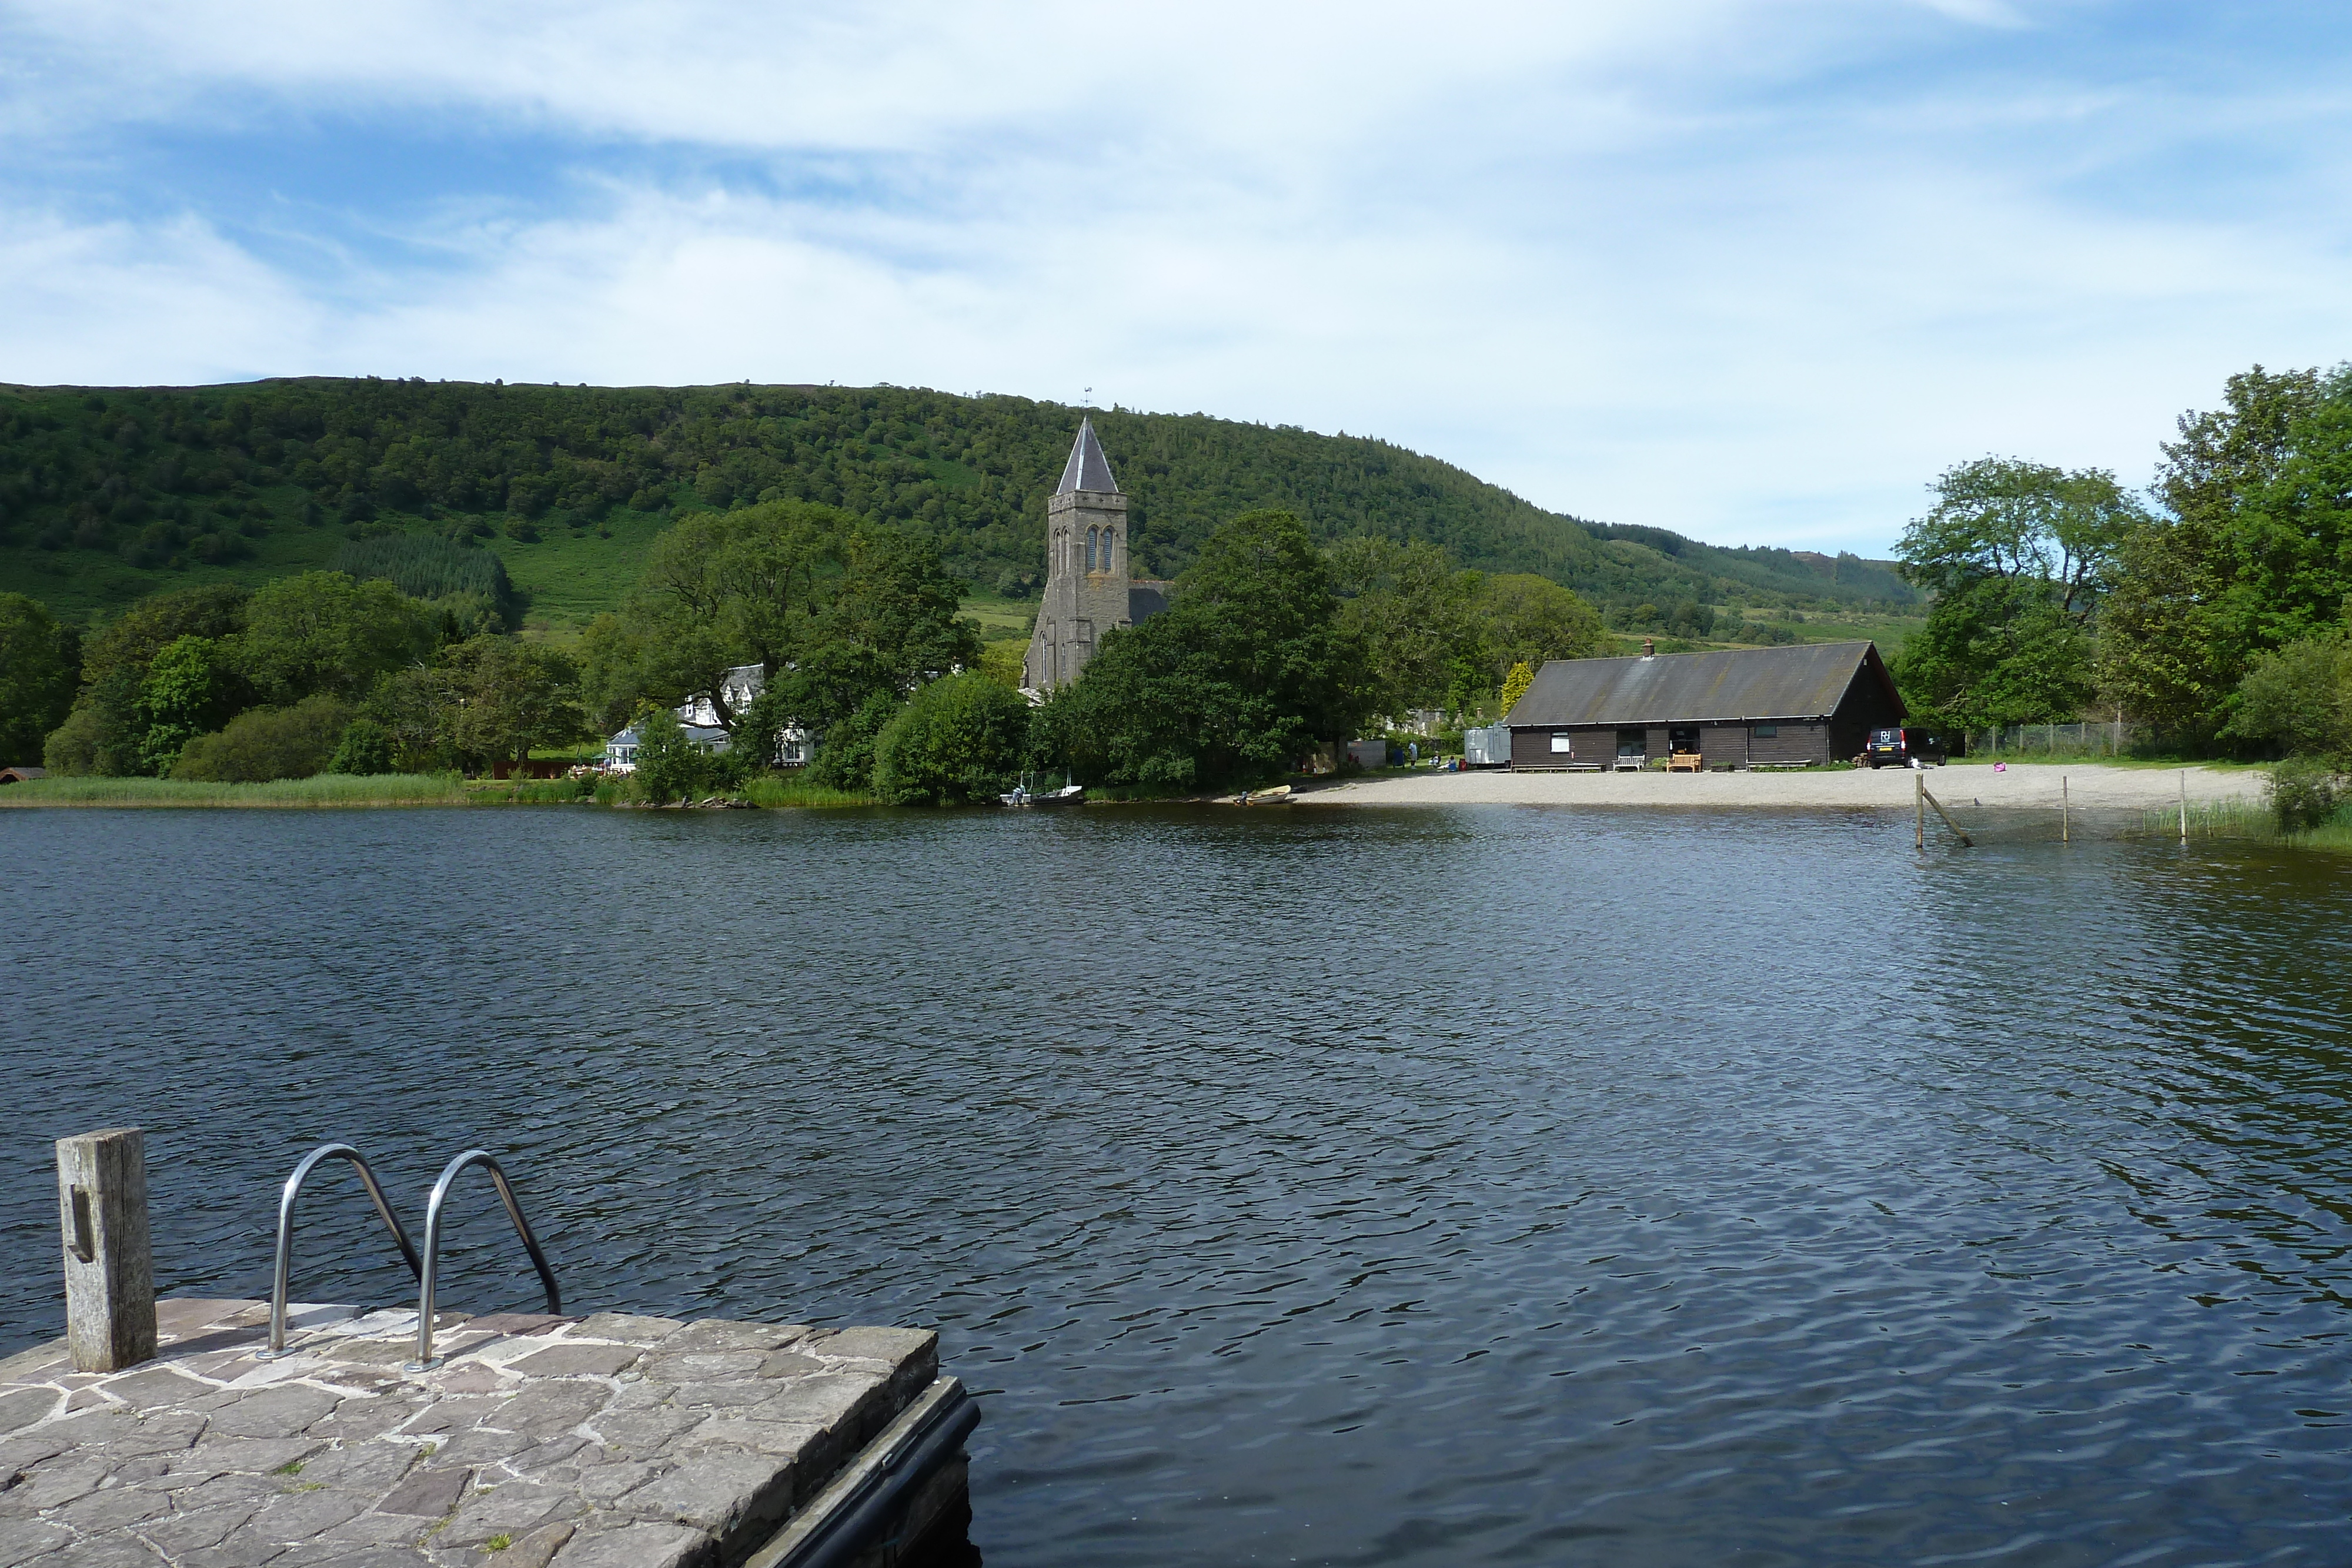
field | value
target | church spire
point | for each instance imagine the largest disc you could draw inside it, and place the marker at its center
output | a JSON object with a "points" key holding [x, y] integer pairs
{"points": [[1088, 468]]}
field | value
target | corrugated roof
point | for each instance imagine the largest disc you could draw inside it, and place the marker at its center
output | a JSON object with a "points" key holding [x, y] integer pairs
{"points": [[1804, 682], [1088, 468]]}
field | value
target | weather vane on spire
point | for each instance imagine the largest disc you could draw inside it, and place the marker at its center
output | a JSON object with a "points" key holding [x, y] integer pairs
{"points": [[1089, 399]]}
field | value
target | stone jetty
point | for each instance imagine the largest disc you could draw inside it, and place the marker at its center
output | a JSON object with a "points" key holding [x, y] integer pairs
{"points": [[605, 1441]]}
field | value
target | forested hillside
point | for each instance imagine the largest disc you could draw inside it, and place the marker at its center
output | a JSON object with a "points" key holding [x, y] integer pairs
{"points": [[109, 493]]}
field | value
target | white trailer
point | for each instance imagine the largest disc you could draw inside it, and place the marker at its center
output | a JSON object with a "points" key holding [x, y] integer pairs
{"points": [[1488, 747]]}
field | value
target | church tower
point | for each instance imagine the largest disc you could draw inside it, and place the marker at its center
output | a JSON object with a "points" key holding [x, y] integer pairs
{"points": [[1087, 588]]}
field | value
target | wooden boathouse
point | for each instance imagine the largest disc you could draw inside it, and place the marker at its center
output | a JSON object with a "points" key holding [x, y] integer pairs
{"points": [[1763, 708]]}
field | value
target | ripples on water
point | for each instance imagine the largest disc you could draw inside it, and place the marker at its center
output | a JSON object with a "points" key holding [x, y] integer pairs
{"points": [[1490, 1184]]}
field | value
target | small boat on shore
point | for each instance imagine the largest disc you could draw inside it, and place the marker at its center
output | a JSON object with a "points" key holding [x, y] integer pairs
{"points": [[1022, 795]]}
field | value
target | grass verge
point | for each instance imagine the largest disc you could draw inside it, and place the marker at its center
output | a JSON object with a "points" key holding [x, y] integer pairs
{"points": [[798, 792], [326, 789], [386, 790]]}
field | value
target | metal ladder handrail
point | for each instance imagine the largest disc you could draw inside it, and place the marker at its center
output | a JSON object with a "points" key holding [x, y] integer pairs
{"points": [[286, 1234], [426, 1360]]}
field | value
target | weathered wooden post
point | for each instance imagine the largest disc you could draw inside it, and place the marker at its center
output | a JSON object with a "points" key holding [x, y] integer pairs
{"points": [[110, 1262], [1919, 812], [2065, 814], [2184, 805]]}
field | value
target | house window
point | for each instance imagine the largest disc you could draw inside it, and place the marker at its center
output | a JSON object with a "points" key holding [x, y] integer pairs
{"points": [[1767, 731], [1563, 744]]}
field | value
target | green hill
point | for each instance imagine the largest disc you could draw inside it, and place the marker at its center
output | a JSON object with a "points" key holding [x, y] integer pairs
{"points": [[107, 493]]}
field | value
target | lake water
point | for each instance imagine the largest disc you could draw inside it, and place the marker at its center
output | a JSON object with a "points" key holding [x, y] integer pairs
{"points": [[1351, 1187]]}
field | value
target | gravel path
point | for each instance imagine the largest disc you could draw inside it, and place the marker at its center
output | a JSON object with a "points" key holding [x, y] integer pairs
{"points": [[2089, 785]]}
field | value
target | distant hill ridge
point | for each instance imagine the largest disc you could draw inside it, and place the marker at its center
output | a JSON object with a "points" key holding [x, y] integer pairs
{"points": [[106, 493]]}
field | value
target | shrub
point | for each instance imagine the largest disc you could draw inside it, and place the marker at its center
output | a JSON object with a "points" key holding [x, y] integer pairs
{"points": [[268, 743], [669, 766], [1516, 685], [2298, 700], [844, 758], [74, 747], [958, 739], [365, 749], [2303, 794]]}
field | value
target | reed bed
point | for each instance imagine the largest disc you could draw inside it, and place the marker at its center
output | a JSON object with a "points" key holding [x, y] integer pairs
{"points": [[2212, 819]]}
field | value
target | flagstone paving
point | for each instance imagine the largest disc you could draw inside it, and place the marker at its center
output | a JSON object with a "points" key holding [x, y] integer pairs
{"points": [[608, 1441]]}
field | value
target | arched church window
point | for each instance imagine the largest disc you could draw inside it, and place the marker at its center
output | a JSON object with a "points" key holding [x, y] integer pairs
{"points": [[1106, 566], [1090, 550]]}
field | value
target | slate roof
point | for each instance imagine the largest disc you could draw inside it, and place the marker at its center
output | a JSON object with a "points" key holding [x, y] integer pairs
{"points": [[1088, 468], [1146, 599], [1736, 687]]}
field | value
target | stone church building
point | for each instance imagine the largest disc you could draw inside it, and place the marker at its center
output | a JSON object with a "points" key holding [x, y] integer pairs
{"points": [[1087, 589]]}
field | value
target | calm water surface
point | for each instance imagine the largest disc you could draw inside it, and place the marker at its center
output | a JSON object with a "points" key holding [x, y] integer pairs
{"points": [[1431, 1186]]}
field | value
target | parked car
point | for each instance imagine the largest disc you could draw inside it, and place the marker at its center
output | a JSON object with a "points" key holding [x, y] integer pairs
{"points": [[1903, 748]]}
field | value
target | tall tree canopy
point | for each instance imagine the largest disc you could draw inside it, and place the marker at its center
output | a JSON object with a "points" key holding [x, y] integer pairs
{"points": [[108, 725], [40, 661], [1437, 637], [1246, 671], [2254, 557], [834, 608], [2017, 555], [1411, 609], [322, 632]]}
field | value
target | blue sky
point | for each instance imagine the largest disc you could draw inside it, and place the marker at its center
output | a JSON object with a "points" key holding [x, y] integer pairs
{"points": [[1756, 272]]}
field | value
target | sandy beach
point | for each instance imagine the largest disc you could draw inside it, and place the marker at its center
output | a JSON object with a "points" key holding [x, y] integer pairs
{"points": [[2089, 786]]}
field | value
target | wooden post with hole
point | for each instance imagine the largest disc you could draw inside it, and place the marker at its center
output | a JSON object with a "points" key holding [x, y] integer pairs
{"points": [[2184, 805], [110, 1262], [1919, 812], [2065, 814]]}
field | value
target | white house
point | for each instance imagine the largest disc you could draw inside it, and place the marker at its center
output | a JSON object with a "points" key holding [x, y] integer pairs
{"points": [[700, 716], [621, 750], [740, 685]]}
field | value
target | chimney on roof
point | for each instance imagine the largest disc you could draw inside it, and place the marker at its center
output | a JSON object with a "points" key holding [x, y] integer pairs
{"points": [[1649, 647]]}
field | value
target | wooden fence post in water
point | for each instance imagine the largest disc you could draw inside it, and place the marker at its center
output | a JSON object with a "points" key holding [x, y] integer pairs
{"points": [[2065, 814], [1919, 810], [1958, 831], [109, 1262], [2184, 805]]}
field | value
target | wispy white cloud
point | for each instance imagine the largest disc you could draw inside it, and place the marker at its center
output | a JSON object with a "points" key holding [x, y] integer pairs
{"points": [[1753, 271]]}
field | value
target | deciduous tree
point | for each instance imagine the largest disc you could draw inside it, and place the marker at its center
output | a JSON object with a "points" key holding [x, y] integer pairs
{"points": [[323, 632], [2017, 555], [1244, 674], [188, 692], [2252, 558], [503, 696], [103, 732], [958, 739], [40, 663], [1528, 620]]}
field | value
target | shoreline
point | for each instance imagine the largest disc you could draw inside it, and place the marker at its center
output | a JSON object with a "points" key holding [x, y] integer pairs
{"points": [[2088, 786], [2029, 786]]}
